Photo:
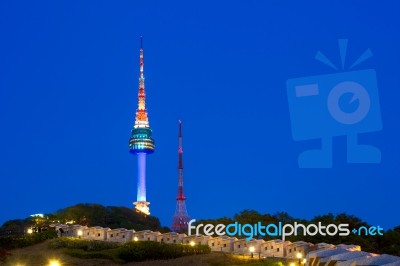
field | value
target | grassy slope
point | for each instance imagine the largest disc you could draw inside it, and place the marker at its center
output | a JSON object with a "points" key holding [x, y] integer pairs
{"points": [[40, 254]]}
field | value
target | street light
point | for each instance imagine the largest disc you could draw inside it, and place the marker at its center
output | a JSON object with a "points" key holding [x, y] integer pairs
{"points": [[135, 238], [299, 256], [192, 243], [251, 249], [54, 263], [80, 233], [30, 231]]}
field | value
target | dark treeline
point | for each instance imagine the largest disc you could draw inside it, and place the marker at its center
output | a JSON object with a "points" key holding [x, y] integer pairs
{"points": [[89, 215], [388, 243]]}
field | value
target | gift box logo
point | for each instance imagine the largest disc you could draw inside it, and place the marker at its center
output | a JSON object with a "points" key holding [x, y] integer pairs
{"points": [[340, 104]]}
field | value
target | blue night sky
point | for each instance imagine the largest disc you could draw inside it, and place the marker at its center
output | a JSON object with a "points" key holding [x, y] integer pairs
{"points": [[68, 96]]}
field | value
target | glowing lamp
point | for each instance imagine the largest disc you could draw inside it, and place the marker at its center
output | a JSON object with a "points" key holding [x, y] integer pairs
{"points": [[54, 263]]}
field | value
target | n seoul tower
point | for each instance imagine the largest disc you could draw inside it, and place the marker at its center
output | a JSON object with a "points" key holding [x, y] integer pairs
{"points": [[141, 142]]}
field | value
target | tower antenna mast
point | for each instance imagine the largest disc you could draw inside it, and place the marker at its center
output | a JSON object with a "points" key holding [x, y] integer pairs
{"points": [[181, 217]]}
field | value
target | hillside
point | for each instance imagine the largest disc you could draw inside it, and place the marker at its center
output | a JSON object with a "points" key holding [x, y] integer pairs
{"points": [[89, 215], [122, 217], [40, 254]]}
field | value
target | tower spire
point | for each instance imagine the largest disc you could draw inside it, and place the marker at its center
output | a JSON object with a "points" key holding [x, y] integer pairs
{"points": [[141, 142], [181, 217], [141, 59], [180, 164], [142, 119]]}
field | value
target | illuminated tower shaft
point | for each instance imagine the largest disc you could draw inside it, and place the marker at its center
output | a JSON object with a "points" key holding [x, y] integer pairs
{"points": [[181, 217], [141, 142]]}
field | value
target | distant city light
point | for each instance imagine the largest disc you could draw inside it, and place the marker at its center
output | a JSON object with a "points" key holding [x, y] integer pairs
{"points": [[41, 215]]}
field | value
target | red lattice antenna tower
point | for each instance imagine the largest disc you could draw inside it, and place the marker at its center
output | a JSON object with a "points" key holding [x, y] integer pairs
{"points": [[181, 217]]}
